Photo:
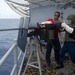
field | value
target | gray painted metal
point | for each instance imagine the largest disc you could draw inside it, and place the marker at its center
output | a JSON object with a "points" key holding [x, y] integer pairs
{"points": [[22, 35], [9, 29]]}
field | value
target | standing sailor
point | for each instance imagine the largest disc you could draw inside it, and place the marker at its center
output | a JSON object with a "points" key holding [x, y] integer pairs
{"points": [[69, 44], [53, 39]]}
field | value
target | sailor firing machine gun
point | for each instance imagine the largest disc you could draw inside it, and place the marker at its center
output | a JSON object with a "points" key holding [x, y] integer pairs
{"points": [[45, 31]]}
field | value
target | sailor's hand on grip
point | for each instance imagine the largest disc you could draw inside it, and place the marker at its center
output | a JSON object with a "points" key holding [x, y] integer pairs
{"points": [[63, 25], [42, 26], [44, 23], [67, 27]]}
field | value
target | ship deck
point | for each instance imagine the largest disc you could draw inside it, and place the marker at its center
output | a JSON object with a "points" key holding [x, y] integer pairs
{"points": [[67, 70]]}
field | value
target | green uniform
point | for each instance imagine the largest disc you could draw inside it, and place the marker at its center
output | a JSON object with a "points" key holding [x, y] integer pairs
{"points": [[69, 44]]}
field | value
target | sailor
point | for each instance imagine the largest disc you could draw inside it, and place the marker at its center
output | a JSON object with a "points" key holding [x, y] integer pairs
{"points": [[54, 40], [69, 44]]}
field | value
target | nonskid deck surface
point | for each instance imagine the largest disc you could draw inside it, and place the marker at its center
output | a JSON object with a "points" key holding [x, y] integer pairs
{"points": [[67, 70]]}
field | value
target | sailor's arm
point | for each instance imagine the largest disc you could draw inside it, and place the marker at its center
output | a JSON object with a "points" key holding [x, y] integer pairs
{"points": [[45, 22], [68, 28]]}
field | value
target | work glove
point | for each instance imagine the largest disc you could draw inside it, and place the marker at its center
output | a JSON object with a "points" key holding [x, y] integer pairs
{"points": [[67, 27]]}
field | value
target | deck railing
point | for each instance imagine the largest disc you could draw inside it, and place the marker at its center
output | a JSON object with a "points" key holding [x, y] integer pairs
{"points": [[15, 70]]}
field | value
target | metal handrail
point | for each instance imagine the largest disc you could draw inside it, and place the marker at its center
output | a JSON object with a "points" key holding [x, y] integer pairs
{"points": [[15, 70], [7, 54], [8, 29]]}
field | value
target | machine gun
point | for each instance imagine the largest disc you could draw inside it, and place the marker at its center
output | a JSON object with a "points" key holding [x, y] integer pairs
{"points": [[51, 26], [44, 32], [47, 32]]}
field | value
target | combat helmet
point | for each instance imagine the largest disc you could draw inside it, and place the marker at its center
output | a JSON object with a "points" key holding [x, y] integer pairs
{"points": [[72, 17]]}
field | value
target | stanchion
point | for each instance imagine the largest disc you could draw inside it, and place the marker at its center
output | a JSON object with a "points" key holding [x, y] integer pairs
{"points": [[34, 46]]}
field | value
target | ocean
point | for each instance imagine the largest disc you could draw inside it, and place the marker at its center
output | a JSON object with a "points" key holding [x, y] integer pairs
{"points": [[6, 41]]}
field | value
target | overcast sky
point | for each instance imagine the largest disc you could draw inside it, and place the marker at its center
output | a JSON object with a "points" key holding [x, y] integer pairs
{"points": [[6, 11]]}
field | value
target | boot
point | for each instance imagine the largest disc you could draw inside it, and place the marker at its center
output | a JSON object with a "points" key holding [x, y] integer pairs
{"points": [[60, 66]]}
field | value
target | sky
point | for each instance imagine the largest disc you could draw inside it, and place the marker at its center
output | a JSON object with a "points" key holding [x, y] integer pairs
{"points": [[6, 11]]}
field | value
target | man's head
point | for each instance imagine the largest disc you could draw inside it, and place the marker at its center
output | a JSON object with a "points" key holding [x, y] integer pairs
{"points": [[71, 19], [56, 15]]}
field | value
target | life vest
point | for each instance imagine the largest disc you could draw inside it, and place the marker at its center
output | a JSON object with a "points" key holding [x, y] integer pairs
{"points": [[70, 37]]}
